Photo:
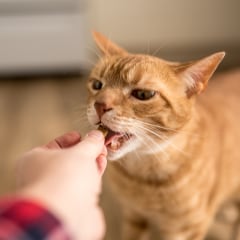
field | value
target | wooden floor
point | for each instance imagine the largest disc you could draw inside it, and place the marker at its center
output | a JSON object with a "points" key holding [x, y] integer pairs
{"points": [[33, 112]]}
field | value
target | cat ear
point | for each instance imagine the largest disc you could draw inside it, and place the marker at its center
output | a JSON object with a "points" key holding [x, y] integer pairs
{"points": [[107, 46], [196, 74]]}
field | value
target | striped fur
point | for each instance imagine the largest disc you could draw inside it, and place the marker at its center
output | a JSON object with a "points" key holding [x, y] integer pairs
{"points": [[185, 162]]}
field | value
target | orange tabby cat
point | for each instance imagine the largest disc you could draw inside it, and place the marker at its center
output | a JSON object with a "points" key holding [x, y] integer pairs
{"points": [[175, 156]]}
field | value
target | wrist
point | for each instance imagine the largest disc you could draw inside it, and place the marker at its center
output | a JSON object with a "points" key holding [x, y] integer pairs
{"points": [[30, 217], [60, 206], [76, 215]]}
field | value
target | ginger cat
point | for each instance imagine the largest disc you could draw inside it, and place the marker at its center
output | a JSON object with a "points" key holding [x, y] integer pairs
{"points": [[174, 155]]}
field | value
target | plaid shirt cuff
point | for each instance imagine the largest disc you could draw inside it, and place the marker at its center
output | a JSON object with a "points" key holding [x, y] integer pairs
{"points": [[26, 220]]}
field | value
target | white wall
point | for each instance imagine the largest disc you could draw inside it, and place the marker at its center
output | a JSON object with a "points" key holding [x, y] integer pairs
{"points": [[167, 23], [56, 40]]}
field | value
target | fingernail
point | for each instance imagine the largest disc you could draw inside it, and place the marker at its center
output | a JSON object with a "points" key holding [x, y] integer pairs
{"points": [[95, 134]]}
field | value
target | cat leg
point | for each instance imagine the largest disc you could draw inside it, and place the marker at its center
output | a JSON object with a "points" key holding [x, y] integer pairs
{"points": [[135, 227]]}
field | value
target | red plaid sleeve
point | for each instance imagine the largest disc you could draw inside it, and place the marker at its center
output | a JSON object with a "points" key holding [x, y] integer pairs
{"points": [[26, 220]]}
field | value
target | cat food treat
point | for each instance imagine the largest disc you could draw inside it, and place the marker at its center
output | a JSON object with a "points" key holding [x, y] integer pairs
{"points": [[103, 130]]}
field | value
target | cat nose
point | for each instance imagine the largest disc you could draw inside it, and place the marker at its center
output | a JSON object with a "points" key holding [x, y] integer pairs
{"points": [[101, 108]]}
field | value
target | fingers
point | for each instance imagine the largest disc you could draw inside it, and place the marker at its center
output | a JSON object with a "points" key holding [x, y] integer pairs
{"points": [[93, 147], [102, 161], [64, 141], [93, 143]]}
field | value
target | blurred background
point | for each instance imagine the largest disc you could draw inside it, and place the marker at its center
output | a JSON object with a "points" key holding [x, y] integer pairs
{"points": [[46, 52], [40, 36]]}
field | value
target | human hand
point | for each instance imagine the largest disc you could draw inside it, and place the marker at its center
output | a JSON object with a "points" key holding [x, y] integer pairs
{"points": [[65, 175]]}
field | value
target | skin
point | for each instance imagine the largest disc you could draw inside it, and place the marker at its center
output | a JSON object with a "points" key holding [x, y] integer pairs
{"points": [[65, 177]]}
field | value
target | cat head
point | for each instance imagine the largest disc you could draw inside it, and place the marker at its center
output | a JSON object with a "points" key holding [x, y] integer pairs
{"points": [[143, 100]]}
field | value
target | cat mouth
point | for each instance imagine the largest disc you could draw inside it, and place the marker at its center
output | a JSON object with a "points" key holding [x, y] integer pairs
{"points": [[115, 140]]}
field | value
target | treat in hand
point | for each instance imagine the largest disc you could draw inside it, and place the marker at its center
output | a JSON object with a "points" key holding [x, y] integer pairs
{"points": [[103, 130]]}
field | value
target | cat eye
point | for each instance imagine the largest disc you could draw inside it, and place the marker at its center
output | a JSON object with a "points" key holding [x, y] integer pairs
{"points": [[97, 85], [143, 94]]}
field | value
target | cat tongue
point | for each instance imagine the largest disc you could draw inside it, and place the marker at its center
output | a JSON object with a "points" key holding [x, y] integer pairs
{"points": [[111, 137]]}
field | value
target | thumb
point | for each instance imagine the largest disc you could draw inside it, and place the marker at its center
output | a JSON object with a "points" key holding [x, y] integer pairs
{"points": [[92, 144]]}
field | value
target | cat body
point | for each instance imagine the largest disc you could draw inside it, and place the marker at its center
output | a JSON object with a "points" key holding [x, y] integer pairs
{"points": [[175, 159], [183, 204]]}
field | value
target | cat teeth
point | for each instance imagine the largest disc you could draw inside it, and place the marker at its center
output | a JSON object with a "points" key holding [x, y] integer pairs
{"points": [[115, 145]]}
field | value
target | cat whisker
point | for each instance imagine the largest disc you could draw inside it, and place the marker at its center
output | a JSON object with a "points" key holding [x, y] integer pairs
{"points": [[153, 125], [156, 127], [81, 120], [80, 112], [139, 129], [80, 108], [142, 137], [90, 62], [93, 50], [138, 126], [148, 47], [163, 138]]}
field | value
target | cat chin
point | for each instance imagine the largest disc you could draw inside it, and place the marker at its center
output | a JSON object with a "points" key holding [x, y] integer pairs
{"points": [[128, 147], [115, 155]]}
